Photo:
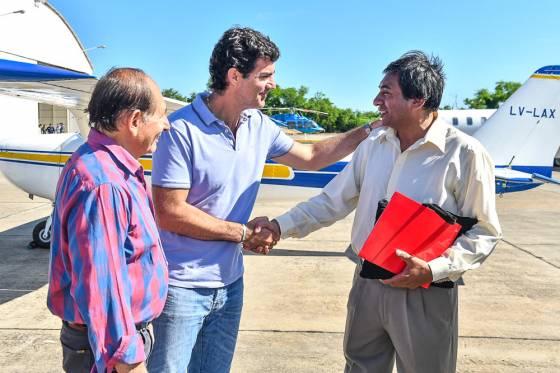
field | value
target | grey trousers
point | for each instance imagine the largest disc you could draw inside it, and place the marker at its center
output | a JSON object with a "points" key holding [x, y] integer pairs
{"points": [[77, 356], [417, 327]]}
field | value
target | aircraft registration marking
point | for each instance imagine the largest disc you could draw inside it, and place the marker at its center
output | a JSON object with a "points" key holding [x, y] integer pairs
{"points": [[532, 111]]}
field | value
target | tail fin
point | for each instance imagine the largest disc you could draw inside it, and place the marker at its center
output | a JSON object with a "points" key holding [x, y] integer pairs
{"points": [[524, 133]]}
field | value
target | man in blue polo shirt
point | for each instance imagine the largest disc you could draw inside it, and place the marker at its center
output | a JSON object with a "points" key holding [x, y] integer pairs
{"points": [[206, 175]]}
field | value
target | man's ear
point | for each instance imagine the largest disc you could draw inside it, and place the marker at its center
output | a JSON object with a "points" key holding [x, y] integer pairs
{"points": [[233, 76], [418, 103], [131, 120]]}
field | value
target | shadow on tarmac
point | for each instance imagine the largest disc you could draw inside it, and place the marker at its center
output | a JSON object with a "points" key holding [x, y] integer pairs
{"points": [[22, 270]]}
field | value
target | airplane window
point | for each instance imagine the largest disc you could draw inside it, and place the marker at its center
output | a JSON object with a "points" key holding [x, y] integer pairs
{"points": [[469, 121], [455, 121], [291, 124], [482, 120]]}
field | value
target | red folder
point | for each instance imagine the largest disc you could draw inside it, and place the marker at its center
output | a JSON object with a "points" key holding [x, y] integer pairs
{"points": [[407, 225]]}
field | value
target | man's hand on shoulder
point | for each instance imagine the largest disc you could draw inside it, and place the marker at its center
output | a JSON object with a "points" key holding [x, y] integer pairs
{"points": [[416, 273]]}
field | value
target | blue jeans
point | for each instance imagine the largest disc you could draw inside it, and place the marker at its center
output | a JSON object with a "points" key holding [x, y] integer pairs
{"points": [[197, 329]]}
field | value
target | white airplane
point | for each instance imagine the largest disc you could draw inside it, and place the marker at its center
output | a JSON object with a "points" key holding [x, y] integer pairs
{"points": [[522, 137], [470, 120], [467, 120]]}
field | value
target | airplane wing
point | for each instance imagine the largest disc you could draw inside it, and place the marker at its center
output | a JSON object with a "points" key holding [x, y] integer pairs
{"points": [[508, 180], [53, 85], [46, 84]]}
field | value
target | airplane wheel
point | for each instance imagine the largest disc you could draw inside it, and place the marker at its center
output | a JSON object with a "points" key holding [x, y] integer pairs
{"points": [[41, 238]]}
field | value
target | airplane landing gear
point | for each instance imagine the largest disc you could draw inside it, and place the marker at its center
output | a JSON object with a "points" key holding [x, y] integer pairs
{"points": [[42, 234]]}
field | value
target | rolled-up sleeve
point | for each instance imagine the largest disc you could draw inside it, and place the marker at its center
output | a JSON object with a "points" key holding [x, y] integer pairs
{"points": [[476, 197], [101, 288]]}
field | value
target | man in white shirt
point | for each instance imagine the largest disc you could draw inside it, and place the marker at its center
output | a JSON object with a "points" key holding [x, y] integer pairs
{"points": [[429, 161]]}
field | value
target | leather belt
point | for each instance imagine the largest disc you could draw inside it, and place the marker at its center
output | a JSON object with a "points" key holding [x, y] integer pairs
{"points": [[83, 327], [443, 284]]}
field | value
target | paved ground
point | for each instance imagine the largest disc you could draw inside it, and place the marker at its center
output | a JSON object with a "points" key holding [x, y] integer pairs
{"points": [[296, 298]]}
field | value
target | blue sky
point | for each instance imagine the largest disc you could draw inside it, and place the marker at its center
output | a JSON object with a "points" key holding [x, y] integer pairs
{"points": [[338, 48]]}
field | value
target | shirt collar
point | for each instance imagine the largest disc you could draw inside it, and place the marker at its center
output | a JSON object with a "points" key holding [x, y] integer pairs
{"points": [[436, 135], [201, 108], [98, 140]]}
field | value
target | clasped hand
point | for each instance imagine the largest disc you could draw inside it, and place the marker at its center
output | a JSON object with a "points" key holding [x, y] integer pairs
{"points": [[416, 273], [262, 235]]}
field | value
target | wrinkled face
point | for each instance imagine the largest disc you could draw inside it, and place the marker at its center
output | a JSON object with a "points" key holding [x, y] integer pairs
{"points": [[253, 89], [152, 124], [392, 106]]}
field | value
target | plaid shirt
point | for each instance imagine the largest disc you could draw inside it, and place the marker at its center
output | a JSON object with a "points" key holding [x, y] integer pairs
{"points": [[107, 269]]}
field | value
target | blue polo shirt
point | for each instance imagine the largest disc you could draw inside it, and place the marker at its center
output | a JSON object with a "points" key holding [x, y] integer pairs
{"points": [[223, 174]]}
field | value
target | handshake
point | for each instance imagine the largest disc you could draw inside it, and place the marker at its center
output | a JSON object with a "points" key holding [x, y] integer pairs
{"points": [[261, 236]]}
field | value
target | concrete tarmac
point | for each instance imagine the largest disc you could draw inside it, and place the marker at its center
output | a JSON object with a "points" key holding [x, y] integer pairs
{"points": [[295, 298]]}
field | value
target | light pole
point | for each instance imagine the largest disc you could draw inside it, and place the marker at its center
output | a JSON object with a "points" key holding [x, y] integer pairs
{"points": [[101, 46], [21, 11]]}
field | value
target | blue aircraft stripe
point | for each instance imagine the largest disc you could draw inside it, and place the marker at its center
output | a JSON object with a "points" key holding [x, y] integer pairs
{"points": [[541, 170], [35, 151], [335, 167], [550, 70], [15, 71]]}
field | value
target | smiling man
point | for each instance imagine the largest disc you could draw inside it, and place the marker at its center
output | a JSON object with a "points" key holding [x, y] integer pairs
{"points": [[421, 156], [108, 275], [206, 174]]}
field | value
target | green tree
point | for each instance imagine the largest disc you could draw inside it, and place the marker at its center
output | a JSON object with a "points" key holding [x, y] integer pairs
{"points": [[335, 120], [484, 99], [174, 94]]}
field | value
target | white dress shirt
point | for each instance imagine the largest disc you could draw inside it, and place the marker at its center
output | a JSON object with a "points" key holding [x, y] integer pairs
{"points": [[445, 167]]}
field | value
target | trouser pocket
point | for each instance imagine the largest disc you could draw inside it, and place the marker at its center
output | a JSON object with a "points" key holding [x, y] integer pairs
{"points": [[77, 356]]}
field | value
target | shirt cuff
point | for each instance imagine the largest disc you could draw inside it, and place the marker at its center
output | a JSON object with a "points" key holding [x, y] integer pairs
{"points": [[130, 351], [440, 267], [286, 225]]}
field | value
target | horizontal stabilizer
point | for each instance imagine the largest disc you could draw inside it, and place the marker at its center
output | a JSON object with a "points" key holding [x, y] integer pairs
{"points": [[546, 179]]}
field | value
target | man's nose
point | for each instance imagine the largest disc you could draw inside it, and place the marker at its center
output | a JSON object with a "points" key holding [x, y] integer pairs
{"points": [[272, 83]]}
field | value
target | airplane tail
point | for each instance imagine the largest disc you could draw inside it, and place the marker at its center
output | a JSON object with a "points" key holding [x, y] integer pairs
{"points": [[524, 133]]}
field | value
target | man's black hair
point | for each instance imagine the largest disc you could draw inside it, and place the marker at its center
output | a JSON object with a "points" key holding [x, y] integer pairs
{"points": [[239, 47], [419, 76]]}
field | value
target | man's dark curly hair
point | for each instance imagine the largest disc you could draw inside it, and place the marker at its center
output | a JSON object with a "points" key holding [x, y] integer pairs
{"points": [[239, 47], [120, 90], [419, 76]]}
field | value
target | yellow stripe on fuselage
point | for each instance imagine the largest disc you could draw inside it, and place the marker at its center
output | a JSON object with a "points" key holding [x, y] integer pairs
{"points": [[146, 163], [271, 171], [46, 158], [545, 76]]}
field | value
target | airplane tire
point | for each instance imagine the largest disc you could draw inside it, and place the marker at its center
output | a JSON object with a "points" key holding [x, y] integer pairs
{"points": [[39, 237]]}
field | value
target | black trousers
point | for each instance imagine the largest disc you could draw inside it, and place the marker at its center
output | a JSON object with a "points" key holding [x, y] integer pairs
{"points": [[77, 356]]}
